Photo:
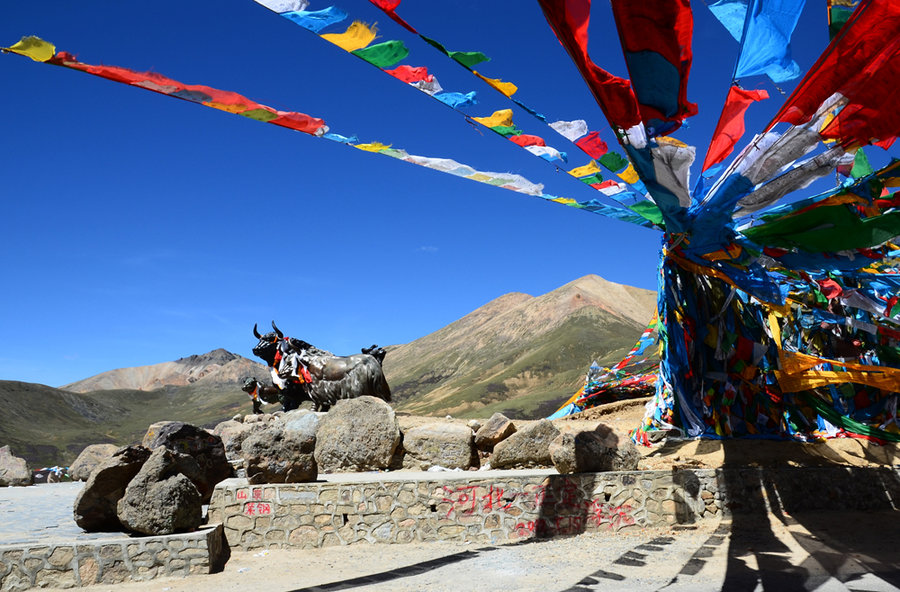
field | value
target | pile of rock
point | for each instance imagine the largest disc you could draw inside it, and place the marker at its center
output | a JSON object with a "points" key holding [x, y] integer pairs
{"points": [[156, 488], [364, 435]]}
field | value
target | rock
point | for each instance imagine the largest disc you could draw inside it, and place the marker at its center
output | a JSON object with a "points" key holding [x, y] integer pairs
{"points": [[474, 424], [232, 434], [89, 459], [238, 418], [283, 452], [450, 446], [13, 470], [357, 435], [161, 498], [588, 452], [527, 448], [498, 428], [153, 431], [95, 506], [207, 449]]}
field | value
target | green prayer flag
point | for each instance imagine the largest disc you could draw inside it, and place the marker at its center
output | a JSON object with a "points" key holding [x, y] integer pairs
{"points": [[469, 58], [613, 161], [260, 114], [861, 166], [826, 229], [383, 55], [436, 44], [648, 210], [595, 178], [507, 130]]}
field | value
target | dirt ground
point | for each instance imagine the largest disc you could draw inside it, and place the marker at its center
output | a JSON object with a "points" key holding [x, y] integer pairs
{"points": [[623, 416]]}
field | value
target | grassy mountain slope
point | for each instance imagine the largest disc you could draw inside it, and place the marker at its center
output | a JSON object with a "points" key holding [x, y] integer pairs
{"points": [[518, 354], [48, 426]]}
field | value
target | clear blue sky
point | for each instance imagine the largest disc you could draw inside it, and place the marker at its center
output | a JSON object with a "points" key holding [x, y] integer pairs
{"points": [[138, 229]]}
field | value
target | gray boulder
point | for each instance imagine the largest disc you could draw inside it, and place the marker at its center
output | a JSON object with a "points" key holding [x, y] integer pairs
{"points": [[207, 449], [357, 435], [89, 459], [161, 498], [283, 452], [588, 452], [95, 506], [450, 446], [498, 428], [527, 448], [13, 470], [232, 434]]}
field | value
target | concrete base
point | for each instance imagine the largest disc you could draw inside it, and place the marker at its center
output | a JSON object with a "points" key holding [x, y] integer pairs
{"points": [[111, 561], [504, 506]]}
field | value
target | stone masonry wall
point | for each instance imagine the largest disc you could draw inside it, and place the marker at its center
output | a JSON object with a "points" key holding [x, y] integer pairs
{"points": [[512, 505], [71, 564]]}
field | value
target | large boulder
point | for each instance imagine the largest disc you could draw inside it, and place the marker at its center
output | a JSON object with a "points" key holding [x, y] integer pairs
{"points": [[595, 451], [439, 444], [89, 459], [527, 448], [498, 428], [95, 506], [357, 435], [161, 498], [207, 449], [283, 452], [13, 470]]}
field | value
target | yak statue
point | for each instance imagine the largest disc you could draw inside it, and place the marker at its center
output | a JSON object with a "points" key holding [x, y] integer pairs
{"points": [[302, 371]]}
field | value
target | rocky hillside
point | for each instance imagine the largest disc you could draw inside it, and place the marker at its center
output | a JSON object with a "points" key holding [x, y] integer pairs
{"points": [[519, 354], [216, 367]]}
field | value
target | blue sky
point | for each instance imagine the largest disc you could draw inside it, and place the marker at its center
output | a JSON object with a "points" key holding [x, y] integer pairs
{"points": [[139, 229]]}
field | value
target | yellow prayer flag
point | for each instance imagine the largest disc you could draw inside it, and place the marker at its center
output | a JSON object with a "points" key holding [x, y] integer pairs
{"points": [[499, 118], [507, 88], [670, 141], [34, 48], [629, 175], [565, 200], [480, 177], [357, 36], [371, 147], [226, 108], [588, 169]]}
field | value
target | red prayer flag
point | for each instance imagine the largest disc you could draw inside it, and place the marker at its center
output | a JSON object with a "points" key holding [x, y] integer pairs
{"points": [[389, 8], [830, 288], [731, 124], [862, 63], [592, 145], [656, 38], [527, 140], [569, 20], [411, 74]]}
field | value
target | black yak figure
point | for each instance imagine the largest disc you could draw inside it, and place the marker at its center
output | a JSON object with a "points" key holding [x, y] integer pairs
{"points": [[302, 371]]}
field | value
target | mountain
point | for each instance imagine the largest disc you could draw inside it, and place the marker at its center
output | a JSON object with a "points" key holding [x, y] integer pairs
{"points": [[216, 367], [49, 426], [519, 354]]}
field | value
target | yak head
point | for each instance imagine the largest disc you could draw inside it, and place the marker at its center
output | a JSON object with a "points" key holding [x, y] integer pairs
{"points": [[268, 344]]}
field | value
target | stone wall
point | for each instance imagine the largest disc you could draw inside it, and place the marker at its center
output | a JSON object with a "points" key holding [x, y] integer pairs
{"points": [[71, 564], [505, 506]]}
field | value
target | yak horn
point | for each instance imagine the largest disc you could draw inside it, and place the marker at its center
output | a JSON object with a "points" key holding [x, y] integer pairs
{"points": [[277, 331], [256, 332]]}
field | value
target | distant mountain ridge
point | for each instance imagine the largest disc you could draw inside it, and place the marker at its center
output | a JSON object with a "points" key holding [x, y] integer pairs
{"points": [[219, 366], [519, 354]]}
